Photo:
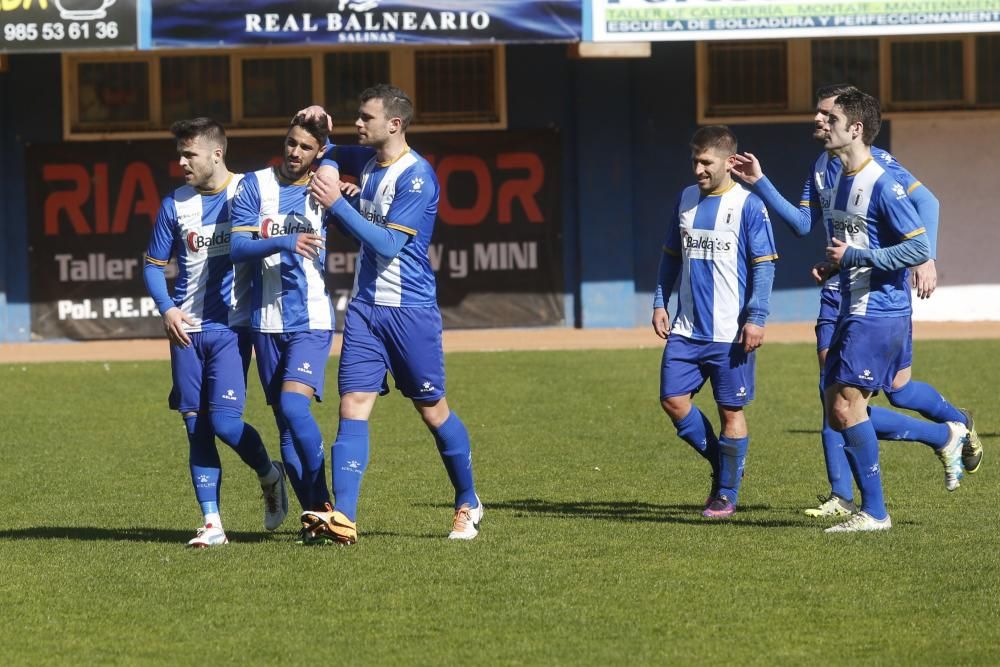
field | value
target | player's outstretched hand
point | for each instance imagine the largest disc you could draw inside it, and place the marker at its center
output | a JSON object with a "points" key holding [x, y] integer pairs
{"points": [[925, 279], [661, 322], [325, 186], [747, 168], [823, 271], [316, 111], [752, 337], [173, 323], [308, 245]]}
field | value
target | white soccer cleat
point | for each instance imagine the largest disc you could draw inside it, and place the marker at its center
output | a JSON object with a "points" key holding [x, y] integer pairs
{"points": [[465, 525], [862, 522], [951, 455], [275, 499], [833, 505], [208, 536]]}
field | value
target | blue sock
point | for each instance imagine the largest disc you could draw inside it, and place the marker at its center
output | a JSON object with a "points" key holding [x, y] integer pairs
{"points": [[290, 457], [861, 446], [456, 454], [243, 438], [696, 430], [348, 462], [203, 458], [732, 456], [892, 425], [925, 399], [837, 468], [308, 441]]}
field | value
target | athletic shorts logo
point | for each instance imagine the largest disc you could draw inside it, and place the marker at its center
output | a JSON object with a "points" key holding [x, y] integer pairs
{"points": [[230, 395], [866, 376], [305, 368], [426, 387]]}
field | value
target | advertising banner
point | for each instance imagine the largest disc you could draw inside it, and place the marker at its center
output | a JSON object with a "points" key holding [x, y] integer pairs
{"points": [[496, 249], [67, 25], [688, 20], [212, 23]]}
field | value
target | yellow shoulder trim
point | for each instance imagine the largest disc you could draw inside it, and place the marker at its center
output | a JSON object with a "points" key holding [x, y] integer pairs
{"points": [[805, 202], [243, 229], [671, 252], [914, 187], [765, 258], [405, 230], [157, 262], [915, 232]]}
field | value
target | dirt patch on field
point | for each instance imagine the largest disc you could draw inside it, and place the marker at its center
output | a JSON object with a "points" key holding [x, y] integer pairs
{"points": [[474, 340]]}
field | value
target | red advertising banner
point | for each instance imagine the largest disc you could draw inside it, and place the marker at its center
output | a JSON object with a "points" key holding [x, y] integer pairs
{"points": [[496, 249]]}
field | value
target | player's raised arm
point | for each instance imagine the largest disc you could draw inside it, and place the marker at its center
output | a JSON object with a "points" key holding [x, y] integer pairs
{"points": [[800, 219]]}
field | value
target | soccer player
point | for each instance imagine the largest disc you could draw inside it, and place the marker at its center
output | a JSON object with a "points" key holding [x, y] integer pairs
{"points": [[206, 322], [719, 241], [393, 323], [876, 235], [950, 423], [278, 230]]}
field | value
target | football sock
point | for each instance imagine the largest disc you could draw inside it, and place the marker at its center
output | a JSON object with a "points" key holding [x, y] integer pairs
{"points": [[203, 459], [837, 468], [696, 430], [925, 399], [732, 456], [861, 447], [290, 457], [456, 454], [348, 462], [243, 438], [892, 425], [213, 519], [309, 444]]}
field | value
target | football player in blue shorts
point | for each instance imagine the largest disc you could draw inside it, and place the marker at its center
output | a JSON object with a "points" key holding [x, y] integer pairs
{"points": [[876, 235], [206, 322], [950, 424], [393, 324], [720, 243], [279, 231]]}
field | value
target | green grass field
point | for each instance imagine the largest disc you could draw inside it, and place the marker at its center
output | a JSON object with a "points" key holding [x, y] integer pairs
{"points": [[592, 549]]}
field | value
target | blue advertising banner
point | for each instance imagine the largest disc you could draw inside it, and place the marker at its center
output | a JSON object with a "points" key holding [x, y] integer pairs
{"points": [[211, 23]]}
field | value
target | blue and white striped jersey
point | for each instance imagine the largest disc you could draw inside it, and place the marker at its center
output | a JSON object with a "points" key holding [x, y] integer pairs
{"points": [[288, 292], [719, 238], [195, 227], [401, 195], [817, 193], [869, 208]]}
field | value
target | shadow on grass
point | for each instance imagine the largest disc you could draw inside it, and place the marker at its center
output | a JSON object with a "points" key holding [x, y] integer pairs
{"points": [[90, 533], [643, 512]]}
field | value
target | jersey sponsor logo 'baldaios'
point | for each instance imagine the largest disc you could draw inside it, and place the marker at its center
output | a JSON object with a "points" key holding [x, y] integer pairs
{"points": [[706, 244], [214, 242], [292, 223]]}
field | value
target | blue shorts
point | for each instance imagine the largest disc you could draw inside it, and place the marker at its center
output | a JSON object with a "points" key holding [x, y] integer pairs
{"points": [[210, 373], [299, 356], [867, 352], [826, 321], [687, 363], [403, 341]]}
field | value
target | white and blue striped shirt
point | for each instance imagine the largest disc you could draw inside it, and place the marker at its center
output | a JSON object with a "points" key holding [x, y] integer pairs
{"points": [[195, 227]]}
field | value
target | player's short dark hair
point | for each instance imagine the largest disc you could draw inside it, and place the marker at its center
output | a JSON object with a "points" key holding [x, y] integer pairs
{"points": [[211, 130], [833, 90], [864, 108], [396, 103], [317, 126], [719, 137]]}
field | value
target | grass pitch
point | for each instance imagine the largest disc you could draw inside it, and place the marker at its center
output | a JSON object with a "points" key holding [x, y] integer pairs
{"points": [[592, 549]]}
